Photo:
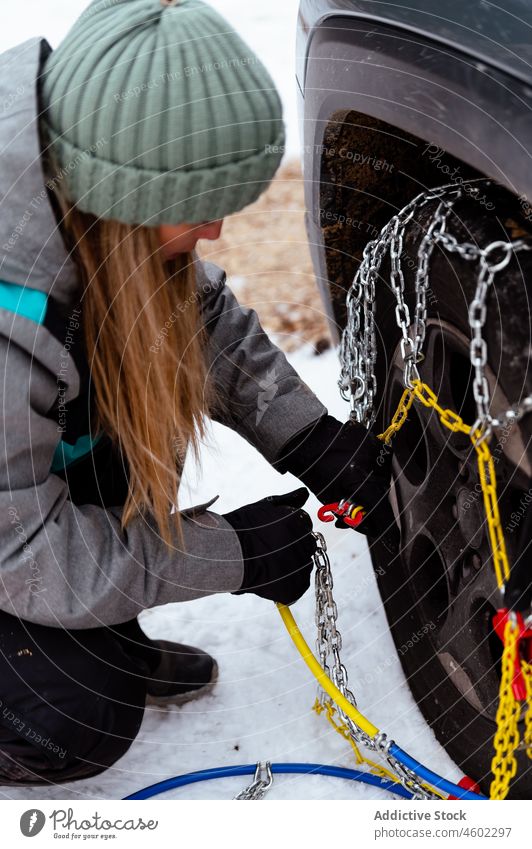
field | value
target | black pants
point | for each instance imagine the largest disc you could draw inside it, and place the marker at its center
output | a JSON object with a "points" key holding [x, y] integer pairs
{"points": [[72, 701]]}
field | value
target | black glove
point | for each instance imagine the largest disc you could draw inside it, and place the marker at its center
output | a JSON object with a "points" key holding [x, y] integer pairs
{"points": [[343, 461], [277, 545]]}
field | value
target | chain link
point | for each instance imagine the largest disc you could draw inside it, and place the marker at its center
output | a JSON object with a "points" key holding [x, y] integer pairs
{"points": [[358, 346], [504, 763], [435, 229], [486, 468], [329, 640], [329, 644], [262, 781], [478, 351], [358, 382]]}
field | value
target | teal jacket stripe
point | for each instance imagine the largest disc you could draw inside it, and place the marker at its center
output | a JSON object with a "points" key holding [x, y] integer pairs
{"points": [[32, 304], [65, 454], [24, 301]]}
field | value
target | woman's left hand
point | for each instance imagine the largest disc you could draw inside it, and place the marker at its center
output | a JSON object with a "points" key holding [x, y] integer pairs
{"points": [[343, 462]]}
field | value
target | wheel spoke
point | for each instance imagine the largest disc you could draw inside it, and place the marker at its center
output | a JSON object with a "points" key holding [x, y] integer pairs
{"points": [[468, 650]]}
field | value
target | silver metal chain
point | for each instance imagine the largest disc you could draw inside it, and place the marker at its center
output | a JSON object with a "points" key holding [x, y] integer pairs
{"points": [[329, 639], [494, 258], [329, 644], [262, 781], [358, 347], [358, 383]]}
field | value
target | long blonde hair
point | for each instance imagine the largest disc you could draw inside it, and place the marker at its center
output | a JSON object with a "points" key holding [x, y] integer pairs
{"points": [[145, 346]]}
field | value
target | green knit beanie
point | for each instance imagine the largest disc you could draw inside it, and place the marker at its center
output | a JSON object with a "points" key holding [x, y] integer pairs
{"points": [[159, 113]]}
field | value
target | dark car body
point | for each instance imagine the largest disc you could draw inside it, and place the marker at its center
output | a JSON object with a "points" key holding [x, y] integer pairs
{"points": [[456, 75]]}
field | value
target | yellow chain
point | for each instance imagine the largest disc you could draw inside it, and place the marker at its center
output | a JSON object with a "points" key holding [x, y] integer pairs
{"points": [[399, 417], [504, 763], [486, 467], [488, 483], [342, 729]]}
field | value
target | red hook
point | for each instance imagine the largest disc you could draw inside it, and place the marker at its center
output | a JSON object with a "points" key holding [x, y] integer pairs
{"points": [[525, 634], [352, 515]]}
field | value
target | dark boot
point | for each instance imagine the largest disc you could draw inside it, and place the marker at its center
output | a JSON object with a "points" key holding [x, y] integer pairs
{"points": [[183, 674], [174, 673]]}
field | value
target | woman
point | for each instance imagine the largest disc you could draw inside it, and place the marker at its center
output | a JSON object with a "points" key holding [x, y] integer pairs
{"points": [[148, 124]]}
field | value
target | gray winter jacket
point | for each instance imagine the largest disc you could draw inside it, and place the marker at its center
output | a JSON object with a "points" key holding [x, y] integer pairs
{"points": [[71, 565]]}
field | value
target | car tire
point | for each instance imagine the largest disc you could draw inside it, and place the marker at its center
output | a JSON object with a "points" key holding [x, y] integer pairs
{"points": [[438, 587]]}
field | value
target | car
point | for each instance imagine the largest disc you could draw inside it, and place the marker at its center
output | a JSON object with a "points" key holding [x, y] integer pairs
{"points": [[396, 100]]}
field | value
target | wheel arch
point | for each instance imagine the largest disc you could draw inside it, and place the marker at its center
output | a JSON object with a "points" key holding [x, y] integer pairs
{"points": [[386, 114]]}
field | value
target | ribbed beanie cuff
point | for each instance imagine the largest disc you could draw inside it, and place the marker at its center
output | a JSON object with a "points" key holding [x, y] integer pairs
{"points": [[142, 196]]}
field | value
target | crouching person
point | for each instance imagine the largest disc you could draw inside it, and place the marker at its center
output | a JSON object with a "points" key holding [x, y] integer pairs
{"points": [[116, 342]]}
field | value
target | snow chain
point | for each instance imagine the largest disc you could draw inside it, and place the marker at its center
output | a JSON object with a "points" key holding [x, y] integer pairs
{"points": [[328, 645], [504, 763], [262, 781], [486, 468], [358, 385]]}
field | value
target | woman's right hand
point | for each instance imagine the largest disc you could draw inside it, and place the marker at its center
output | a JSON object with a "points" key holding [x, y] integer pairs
{"points": [[277, 544]]}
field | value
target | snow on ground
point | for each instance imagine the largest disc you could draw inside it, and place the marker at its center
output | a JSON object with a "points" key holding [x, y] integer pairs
{"points": [[262, 705], [269, 29]]}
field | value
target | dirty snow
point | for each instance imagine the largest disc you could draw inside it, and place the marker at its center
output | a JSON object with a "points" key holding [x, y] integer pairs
{"points": [[261, 707]]}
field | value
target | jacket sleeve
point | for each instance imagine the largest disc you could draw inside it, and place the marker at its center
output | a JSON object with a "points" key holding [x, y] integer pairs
{"points": [[73, 566], [260, 395]]}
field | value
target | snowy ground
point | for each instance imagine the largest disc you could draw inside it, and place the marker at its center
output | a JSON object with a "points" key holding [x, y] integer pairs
{"points": [[261, 707]]}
